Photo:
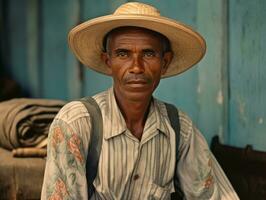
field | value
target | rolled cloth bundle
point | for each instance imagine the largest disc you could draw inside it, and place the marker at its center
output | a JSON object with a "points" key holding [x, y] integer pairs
{"points": [[25, 122]]}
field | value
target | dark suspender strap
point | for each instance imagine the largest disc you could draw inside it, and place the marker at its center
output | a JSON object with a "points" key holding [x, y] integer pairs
{"points": [[95, 141], [174, 120]]}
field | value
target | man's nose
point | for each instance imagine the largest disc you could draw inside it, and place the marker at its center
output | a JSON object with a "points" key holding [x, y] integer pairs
{"points": [[137, 65]]}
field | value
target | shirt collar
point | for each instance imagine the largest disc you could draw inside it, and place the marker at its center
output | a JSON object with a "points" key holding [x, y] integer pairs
{"points": [[114, 117], [156, 118], [158, 114]]}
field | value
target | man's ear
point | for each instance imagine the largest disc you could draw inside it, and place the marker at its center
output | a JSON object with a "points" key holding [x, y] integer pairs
{"points": [[167, 58], [106, 59]]}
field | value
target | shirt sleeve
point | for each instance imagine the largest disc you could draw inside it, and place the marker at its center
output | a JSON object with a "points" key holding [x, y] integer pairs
{"points": [[65, 171], [200, 175]]}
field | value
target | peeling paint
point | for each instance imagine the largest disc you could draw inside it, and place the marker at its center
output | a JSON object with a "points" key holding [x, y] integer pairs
{"points": [[198, 89], [220, 98], [241, 109], [260, 121]]}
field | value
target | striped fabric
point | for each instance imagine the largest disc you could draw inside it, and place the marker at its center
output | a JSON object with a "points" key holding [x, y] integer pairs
{"points": [[128, 168]]}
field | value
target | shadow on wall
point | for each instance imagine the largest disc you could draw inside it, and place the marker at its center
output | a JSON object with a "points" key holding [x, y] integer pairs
{"points": [[9, 89]]}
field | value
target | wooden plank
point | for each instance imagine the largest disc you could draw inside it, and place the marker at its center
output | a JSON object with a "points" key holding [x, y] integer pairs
{"points": [[3, 41], [57, 17], [33, 52], [247, 73], [17, 41], [212, 85], [74, 77]]}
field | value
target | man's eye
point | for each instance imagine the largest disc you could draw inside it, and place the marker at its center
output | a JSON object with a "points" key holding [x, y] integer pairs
{"points": [[149, 54], [122, 54]]}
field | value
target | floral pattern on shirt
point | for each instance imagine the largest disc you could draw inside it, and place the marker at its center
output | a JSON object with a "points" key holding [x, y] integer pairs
{"points": [[73, 146], [60, 190], [209, 180], [57, 137], [66, 147]]}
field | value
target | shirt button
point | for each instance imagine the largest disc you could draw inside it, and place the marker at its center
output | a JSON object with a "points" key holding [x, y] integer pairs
{"points": [[135, 177]]}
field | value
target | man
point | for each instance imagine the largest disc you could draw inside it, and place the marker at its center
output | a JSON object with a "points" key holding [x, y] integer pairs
{"points": [[137, 47]]}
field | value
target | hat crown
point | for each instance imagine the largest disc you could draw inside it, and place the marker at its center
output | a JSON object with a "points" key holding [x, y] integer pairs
{"points": [[136, 8]]}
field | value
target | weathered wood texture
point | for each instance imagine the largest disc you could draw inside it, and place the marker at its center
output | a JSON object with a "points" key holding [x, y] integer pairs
{"points": [[33, 46], [17, 41], [59, 69], [247, 45], [3, 56], [223, 94], [213, 70]]}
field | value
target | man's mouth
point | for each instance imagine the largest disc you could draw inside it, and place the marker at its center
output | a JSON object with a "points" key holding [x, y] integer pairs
{"points": [[137, 81]]}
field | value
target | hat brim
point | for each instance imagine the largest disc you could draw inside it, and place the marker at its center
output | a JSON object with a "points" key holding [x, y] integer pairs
{"points": [[86, 40]]}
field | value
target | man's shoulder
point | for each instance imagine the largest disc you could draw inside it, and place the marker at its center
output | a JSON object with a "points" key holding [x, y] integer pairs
{"points": [[75, 109], [184, 118], [72, 111], [185, 121]]}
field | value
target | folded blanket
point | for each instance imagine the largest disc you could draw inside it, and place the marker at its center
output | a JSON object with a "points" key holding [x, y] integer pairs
{"points": [[25, 122]]}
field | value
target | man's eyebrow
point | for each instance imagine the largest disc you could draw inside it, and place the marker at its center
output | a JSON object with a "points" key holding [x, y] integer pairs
{"points": [[149, 50], [120, 50]]}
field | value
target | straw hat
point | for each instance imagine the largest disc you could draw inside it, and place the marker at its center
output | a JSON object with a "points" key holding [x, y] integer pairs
{"points": [[86, 39]]}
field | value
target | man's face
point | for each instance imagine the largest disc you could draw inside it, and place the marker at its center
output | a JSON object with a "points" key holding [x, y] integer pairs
{"points": [[136, 62]]}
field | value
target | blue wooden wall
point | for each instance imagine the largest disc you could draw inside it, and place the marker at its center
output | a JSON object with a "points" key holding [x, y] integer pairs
{"points": [[224, 94], [247, 75]]}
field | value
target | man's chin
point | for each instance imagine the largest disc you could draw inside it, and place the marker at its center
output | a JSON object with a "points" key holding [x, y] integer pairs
{"points": [[137, 94], [134, 92]]}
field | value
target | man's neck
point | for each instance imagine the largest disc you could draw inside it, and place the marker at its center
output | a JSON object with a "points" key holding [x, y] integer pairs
{"points": [[135, 114]]}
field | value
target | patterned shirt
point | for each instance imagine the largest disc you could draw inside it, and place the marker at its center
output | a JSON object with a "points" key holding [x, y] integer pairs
{"points": [[130, 169]]}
